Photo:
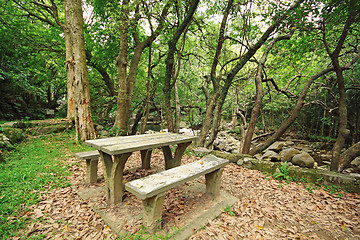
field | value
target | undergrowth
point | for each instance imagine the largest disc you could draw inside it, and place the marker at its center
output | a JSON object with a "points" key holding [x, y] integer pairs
{"points": [[283, 174], [34, 167]]}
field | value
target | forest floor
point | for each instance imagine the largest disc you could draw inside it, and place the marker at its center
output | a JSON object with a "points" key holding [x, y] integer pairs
{"points": [[267, 209]]}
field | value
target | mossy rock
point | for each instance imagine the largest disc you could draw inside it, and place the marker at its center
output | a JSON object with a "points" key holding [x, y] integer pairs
{"points": [[15, 135], [232, 157], [5, 143]]}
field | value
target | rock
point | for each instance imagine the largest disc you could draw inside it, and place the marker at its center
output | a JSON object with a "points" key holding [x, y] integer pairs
{"points": [[202, 150], [15, 135], [21, 125], [276, 146], [303, 160], [219, 144], [5, 143], [287, 154], [99, 128], [9, 124], [356, 162], [270, 156], [355, 175], [46, 130], [103, 133], [289, 143], [241, 161]]}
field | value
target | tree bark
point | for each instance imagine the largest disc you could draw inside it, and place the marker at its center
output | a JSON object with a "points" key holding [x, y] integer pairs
{"points": [[297, 108], [258, 101], [242, 61], [78, 83], [127, 80], [170, 63], [336, 161], [347, 156], [211, 101]]}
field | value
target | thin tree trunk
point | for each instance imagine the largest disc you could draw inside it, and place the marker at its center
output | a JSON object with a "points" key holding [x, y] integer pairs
{"points": [[337, 161], [245, 147], [212, 100], [300, 102], [177, 109], [243, 60], [148, 96], [349, 155], [127, 80], [170, 63]]}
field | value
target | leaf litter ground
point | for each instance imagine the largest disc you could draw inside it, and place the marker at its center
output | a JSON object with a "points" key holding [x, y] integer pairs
{"points": [[267, 208]]}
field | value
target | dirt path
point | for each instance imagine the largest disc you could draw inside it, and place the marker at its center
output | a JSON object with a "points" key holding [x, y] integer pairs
{"points": [[267, 209]]}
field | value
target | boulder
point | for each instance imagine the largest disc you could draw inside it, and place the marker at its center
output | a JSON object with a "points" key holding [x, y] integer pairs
{"points": [[356, 162], [303, 160], [270, 156], [202, 150], [246, 159], [15, 135], [99, 128], [5, 143], [276, 146], [287, 154], [103, 134]]}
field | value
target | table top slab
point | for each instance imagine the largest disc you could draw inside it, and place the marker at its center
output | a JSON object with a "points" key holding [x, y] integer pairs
{"points": [[125, 144]]}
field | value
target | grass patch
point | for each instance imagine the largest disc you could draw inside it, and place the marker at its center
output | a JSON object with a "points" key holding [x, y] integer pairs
{"points": [[34, 167]]}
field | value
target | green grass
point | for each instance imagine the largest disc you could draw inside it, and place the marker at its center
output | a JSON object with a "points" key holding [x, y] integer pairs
{"points": [[35, 166]]}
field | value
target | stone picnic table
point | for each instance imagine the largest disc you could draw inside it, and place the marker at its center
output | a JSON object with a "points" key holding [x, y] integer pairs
{"points": [[115, 151]]}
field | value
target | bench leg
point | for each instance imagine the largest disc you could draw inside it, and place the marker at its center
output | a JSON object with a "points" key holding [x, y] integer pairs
{"points": [[91, 170], [152, 212], [145, 158], [213, 182], [170, 161]]}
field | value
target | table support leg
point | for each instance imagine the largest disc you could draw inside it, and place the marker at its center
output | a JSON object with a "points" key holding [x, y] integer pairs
{"points": [[114, 176], [145, 158], [170, 161], [107, 162]]}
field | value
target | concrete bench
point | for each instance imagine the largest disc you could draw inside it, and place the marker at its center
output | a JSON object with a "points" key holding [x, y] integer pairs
{"points": [[92, 159], [152, 189]]}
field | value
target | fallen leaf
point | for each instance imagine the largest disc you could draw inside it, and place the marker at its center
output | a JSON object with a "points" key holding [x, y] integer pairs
{"points": [[38, 213], [66, 228], [260, 227], [343, 226]]}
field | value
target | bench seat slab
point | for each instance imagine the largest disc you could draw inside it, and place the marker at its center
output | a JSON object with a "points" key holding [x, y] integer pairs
{"points": [[157, 183]]}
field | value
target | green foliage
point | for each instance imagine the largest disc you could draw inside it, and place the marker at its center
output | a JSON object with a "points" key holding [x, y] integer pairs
{"points": [[36, 166], [228, 210], [283, 173]]}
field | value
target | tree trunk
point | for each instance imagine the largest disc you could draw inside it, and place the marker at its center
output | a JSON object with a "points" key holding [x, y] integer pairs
{"points": [[170, 63], [347, 156], [337, 161], [259, 95], [127, 80], [241, 63], [78, 82], [177, 109], [285, 125], [211, 101]]}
